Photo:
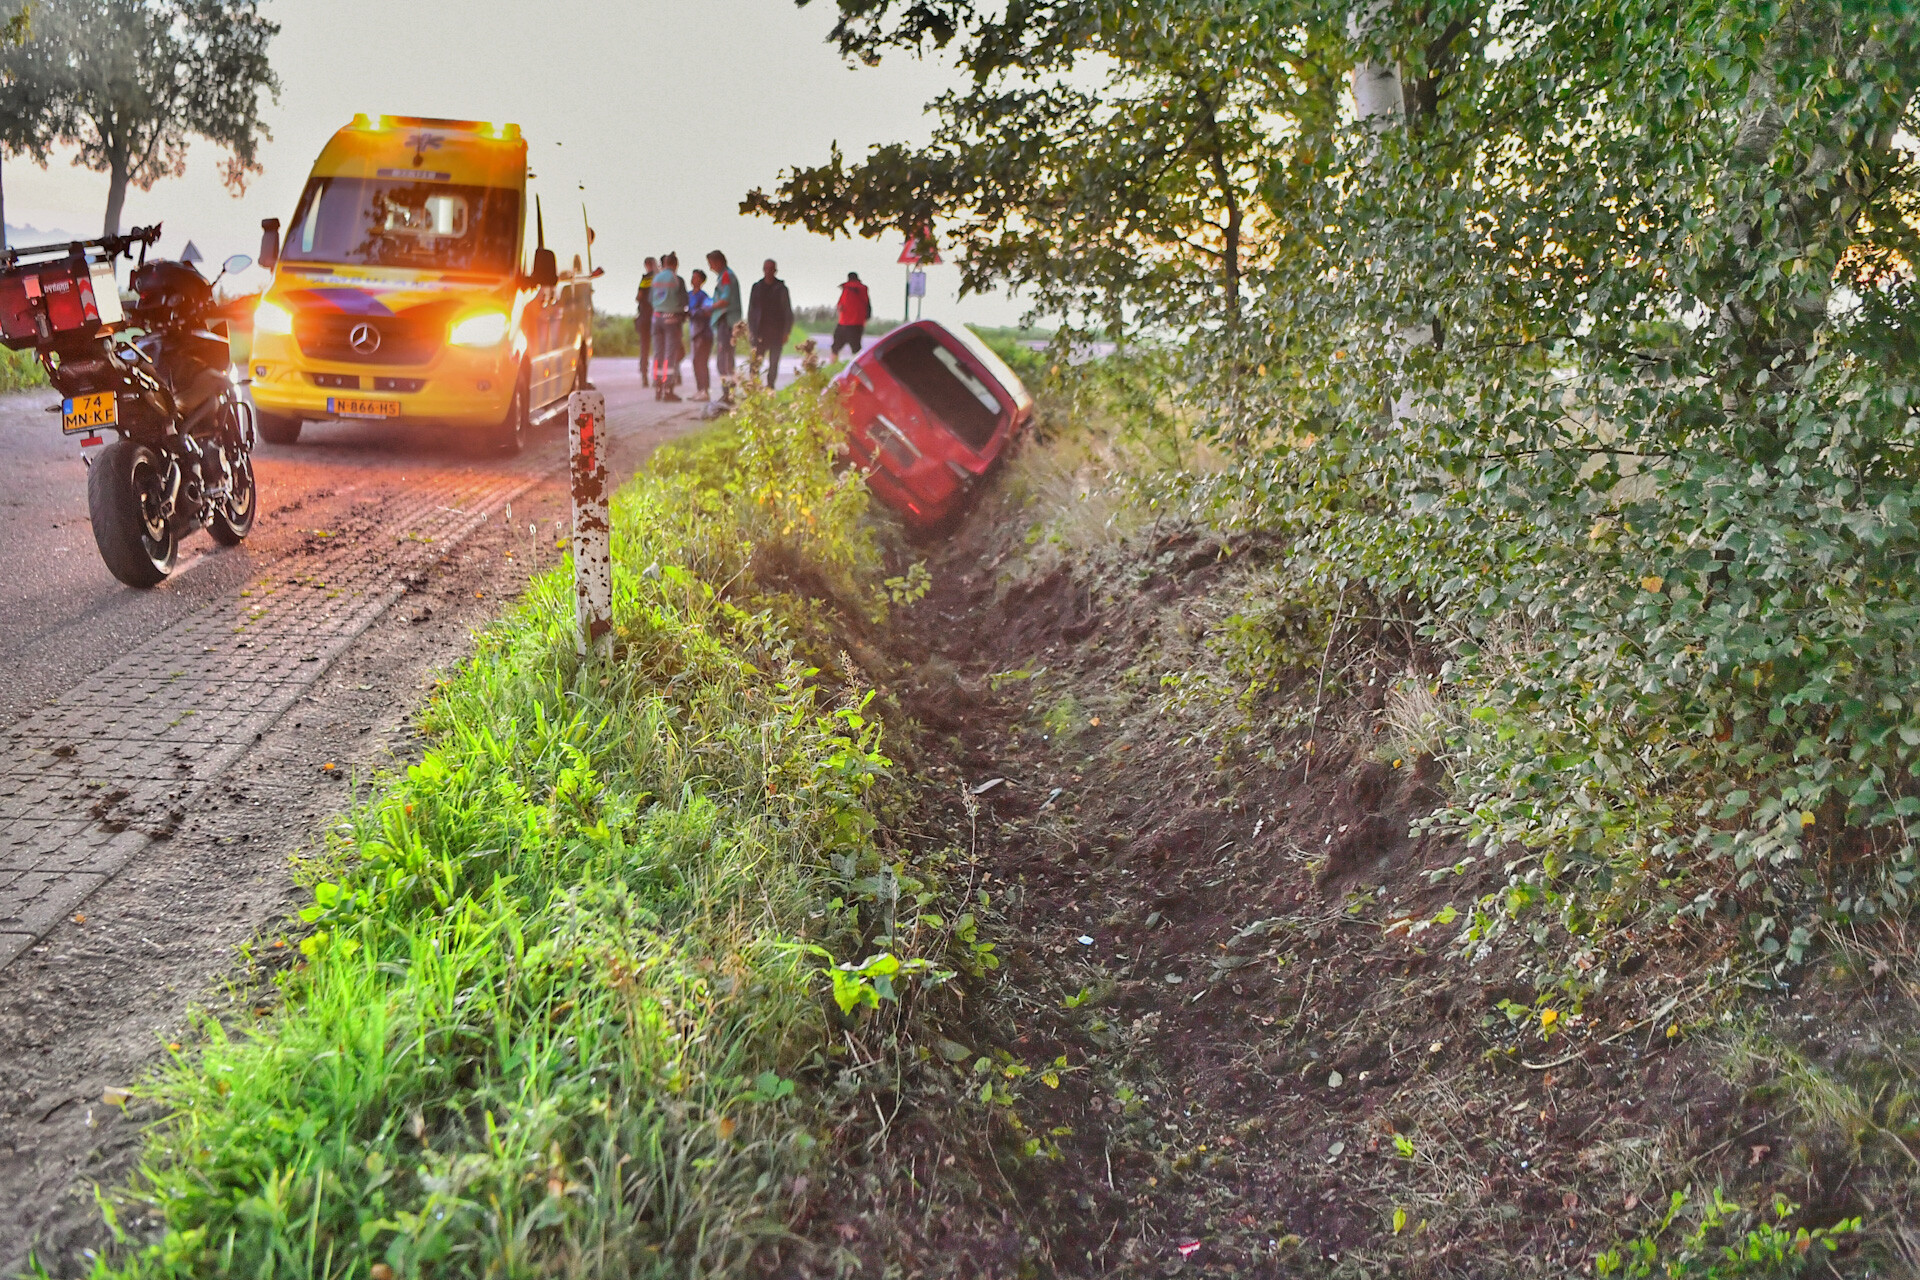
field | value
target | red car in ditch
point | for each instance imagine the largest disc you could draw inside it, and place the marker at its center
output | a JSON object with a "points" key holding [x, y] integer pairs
{"points": [[930, 408]]}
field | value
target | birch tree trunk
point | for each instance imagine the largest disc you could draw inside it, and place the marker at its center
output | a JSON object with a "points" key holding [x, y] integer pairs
{"points": [[1381, 100]]}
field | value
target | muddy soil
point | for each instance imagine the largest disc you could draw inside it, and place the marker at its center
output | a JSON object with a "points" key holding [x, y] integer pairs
{"points": [[1252, 1056]]}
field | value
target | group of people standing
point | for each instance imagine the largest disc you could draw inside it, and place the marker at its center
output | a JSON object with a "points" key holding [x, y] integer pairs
{"points": [[673, 311]]}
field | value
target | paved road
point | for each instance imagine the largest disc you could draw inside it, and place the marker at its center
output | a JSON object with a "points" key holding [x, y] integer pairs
{"points": [[162, 752], [123, 703], [63, 616]]}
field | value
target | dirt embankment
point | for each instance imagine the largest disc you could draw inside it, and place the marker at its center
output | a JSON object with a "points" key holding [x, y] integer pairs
{"points": [[1232, 1033]]}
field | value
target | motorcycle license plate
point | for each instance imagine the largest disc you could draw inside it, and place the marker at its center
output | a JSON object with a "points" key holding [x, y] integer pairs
{"points": [[89, 413], [355, 407]]}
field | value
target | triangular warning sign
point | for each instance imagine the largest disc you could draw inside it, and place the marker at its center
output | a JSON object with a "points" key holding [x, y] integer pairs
{"points": [[910, 251]]}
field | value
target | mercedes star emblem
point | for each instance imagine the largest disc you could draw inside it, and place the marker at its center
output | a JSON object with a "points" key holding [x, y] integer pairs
{"points": [[364, 338]]}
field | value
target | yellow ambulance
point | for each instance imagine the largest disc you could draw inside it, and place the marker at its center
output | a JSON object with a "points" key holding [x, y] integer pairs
{"points": [[416, 282]]}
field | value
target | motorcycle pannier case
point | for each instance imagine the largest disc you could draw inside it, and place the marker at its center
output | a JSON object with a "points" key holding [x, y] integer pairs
{"points": [[44, 302]]}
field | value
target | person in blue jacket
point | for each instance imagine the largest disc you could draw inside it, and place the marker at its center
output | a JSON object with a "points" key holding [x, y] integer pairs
{"points": [[700, 329], [669, 296]]}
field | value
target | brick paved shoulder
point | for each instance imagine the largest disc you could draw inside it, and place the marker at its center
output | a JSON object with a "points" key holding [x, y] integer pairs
{"points": [[120, 758]]}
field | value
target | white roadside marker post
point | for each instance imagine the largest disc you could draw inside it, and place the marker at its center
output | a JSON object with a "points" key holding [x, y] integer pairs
{"points": [[592, 532]]}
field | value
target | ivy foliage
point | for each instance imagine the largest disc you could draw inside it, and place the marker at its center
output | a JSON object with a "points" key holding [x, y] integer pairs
{"points": [[1598, 352]]}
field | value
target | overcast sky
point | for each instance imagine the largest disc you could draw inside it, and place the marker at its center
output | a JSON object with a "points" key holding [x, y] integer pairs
{"points": [[669, 110]]}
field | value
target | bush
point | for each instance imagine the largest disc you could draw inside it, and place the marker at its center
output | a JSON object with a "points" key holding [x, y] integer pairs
{"points": [[1031, 365], [615, 335], [20, 370]]}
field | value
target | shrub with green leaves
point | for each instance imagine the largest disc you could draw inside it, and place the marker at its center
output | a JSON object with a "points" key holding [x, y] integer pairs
{"points": [[562, 975], [1581, 332], [1621, 402], [20, 370], [1720, 1239]]}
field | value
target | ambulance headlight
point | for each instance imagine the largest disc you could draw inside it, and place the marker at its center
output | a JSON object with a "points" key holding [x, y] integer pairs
{"points": [[272, 318], [483, 329]]}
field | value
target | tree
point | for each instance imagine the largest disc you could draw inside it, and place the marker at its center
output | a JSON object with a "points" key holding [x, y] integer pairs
{"points": [[1144, 199], [1661, 450], [128, 83], [1659, 445], [21, 119]]}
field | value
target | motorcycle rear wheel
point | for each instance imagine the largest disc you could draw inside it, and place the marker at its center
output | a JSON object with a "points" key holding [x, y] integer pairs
{"points": [[233, 521], [125, 496]]}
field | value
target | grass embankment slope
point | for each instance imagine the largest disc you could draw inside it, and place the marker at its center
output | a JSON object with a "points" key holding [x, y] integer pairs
{"points": [[560, 976], [1268, 1004]]}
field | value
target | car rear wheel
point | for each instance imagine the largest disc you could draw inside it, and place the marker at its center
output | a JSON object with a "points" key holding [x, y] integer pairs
{"points": [[126, 500], [275, 429]]}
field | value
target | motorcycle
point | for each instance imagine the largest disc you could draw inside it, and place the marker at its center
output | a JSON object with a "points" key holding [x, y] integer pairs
{"points": [[183, 456]]}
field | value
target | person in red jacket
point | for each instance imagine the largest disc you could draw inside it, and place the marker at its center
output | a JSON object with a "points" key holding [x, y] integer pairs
{"points": [[850, 327]]}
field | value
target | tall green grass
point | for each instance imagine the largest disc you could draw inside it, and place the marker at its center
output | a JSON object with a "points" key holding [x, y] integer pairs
{"points": [[614, 335], [563, 974], [20, 370]]}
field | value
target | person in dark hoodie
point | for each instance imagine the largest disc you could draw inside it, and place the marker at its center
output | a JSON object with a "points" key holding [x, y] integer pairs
{"points": [[770, 318], [643, 323]]}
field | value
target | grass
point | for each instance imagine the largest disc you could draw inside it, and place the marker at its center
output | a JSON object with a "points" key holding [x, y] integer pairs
{"points": [[614, 335], [20, 370], [561, 998], [809, 320]]}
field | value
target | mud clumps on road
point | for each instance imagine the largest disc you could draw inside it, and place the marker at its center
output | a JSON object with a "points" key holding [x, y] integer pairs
{"points": [[1232, 1031]]}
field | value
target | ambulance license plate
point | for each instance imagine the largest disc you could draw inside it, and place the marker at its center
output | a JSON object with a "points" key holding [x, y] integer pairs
{"points": [[88, 413], [355, 407]]}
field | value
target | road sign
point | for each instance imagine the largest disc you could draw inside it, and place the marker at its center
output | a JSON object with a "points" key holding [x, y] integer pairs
{"points": [[910, 252], [917, 285]]}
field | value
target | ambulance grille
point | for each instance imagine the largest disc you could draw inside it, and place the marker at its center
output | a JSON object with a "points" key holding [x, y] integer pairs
{"points": [[402, 339]]}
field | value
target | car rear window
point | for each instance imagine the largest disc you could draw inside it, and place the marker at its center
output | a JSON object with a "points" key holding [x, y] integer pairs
{"points": [[956, 396]]}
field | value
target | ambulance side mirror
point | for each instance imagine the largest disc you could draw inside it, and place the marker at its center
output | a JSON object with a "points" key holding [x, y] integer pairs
{"points": [[546, 270], [269, 242]]}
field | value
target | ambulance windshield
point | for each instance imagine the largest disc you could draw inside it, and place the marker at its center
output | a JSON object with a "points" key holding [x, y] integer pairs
{"points": [[380, 222]]}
